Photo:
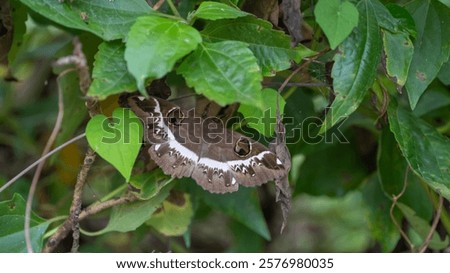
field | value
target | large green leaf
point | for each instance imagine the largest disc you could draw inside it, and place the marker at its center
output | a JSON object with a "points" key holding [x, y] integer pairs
{"points": [[214, 11], [431, 46], [391, 171], [118, 140], [110, 74], [225, 72], [355, 65], [337, 19], [154, 45], [107, 19], [263, 121], [12, 219], [427, 151], [271, 47]]}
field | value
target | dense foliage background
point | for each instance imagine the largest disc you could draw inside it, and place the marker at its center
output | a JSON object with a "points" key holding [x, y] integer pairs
{"points": [[366, 105]]}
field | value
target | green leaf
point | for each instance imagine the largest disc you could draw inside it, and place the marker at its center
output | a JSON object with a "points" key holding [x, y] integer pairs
{"points": [[431, 47], [355, 66], [154, 45], [263, 121], [174, 217], [128, 217], [118, 140], [110, 74], [427, 151], [225, 72], [378, 219], [422, 228], [271, 47], [214, 11], [109, 20], [399, 51], [12, 219], [392, 167], [242, 205], [149, 184], [337, 19]]}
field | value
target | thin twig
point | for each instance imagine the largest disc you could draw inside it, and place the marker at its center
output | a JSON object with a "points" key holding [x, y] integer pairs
{"points": [[307, 62], [43, 158], [395, 199], [158, 4], [433, 226], [66, 227], [37, 173], [286, 81], [75, 208], [98, 207], [84, 76]]}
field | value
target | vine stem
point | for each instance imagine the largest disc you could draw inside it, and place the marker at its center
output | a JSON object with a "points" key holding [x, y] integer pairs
{"points": [[395, 199], [39, 168], [433, 226]]}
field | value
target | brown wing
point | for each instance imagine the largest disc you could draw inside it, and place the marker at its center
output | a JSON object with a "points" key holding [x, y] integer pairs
{"points": [[185, 145]]}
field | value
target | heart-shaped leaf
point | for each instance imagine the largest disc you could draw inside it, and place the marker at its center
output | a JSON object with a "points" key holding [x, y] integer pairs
{"points": [[116, 140], [337, 19]]}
